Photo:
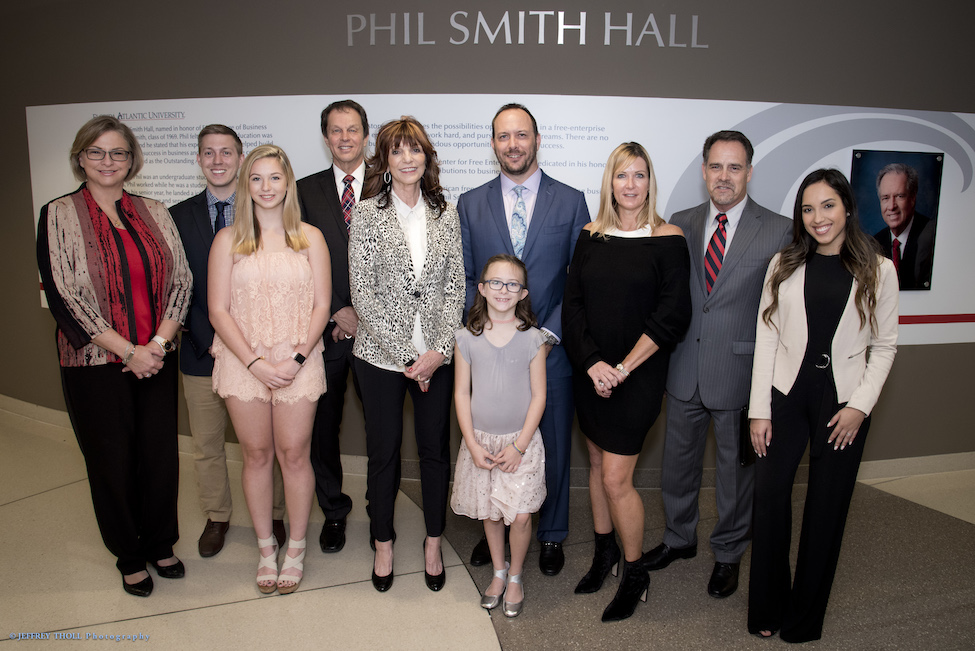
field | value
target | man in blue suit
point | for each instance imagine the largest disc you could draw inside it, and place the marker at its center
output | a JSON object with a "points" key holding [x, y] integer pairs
{"points": [[220, 154], [525, 212]]}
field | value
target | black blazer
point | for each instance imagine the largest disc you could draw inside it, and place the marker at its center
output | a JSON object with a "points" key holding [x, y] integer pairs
{"points": [[917, 258], [322, 207], [193, 222]]}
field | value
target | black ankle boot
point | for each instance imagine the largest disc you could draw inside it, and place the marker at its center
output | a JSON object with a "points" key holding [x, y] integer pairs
{"points": [[606, 558], [633, 588]]}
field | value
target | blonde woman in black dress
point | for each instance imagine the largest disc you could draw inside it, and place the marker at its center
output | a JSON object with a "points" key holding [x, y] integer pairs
{"points": [[627, 303]]}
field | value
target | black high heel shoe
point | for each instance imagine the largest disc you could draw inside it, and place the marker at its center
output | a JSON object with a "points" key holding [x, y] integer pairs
{"points": [[633, 589], [175, 571], [606, 559], [141, 589], [434, 582], [381, 583]]}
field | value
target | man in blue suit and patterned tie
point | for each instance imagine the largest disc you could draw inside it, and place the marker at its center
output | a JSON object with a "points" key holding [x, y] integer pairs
{"points": [[525, 212], [731, 240], [220, 154]]}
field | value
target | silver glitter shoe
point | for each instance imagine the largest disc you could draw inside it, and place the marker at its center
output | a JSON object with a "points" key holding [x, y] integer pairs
{"points": [[494, 600], [510, 609]]}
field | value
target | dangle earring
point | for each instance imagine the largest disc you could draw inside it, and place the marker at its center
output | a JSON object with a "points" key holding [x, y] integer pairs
{"points": [[387, 178]]}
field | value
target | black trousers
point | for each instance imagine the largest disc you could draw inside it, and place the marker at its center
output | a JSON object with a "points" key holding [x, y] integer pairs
{"points": [[325, 454], [126, 428], [797, 608], [383, 396]]}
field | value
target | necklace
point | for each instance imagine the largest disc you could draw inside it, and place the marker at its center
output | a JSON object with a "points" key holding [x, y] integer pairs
{"points": [[495, 321]]}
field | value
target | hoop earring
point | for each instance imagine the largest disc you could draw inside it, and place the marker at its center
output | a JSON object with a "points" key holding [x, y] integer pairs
{"points": [[387, 178]]}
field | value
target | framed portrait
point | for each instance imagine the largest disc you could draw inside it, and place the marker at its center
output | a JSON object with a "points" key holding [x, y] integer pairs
{"points": [[898, 194]]}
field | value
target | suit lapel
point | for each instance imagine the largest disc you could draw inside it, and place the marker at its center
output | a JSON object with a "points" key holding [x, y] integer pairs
{"points": [[543, 202], [496, 207], [201, 218], [748, 228], [334, 202], [695, 245]]}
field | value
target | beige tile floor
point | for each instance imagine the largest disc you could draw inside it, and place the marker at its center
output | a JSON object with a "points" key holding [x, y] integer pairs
{"points": [[58, 577]]}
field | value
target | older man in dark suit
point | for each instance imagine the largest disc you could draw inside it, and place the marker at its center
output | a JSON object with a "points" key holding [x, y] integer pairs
{"points": [[550, 216], [327, 198], [908, 239], [220, 154], [731, 240]]}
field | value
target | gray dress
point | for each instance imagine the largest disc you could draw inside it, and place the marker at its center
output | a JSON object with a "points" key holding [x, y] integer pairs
{"points": [[500, 395]]}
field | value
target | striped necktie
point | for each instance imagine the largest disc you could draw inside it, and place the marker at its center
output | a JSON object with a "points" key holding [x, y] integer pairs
{"points": [[715, 252]]}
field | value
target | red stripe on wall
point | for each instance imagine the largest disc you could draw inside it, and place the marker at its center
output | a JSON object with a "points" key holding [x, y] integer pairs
{"points": [[937, 318]]}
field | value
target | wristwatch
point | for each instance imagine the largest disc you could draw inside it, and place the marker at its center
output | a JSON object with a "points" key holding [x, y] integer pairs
{"points": [[550, 339], [298, 357], [165, 344]]}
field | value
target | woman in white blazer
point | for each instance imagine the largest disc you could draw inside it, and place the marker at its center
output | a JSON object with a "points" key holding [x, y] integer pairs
{"points": [[825, 341], [406, 273]]}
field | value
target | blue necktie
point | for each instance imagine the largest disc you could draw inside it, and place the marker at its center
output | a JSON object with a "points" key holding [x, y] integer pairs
{"points": [[221, 220], [519, 223]]}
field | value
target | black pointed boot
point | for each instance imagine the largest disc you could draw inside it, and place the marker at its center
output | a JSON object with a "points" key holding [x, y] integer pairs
{"points": [[633, 588], [605, 559]]}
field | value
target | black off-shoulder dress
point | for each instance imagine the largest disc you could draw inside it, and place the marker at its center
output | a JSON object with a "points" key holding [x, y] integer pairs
{"points": [[618, 289]]}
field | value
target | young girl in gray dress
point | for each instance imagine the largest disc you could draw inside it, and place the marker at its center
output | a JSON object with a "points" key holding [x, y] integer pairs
{"points": [[499, 393]]}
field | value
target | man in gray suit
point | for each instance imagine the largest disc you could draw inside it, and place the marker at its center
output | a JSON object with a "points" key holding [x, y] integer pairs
{"points": [[731, 240]]}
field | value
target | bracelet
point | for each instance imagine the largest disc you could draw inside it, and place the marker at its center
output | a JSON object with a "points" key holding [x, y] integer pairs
{"points": [[127, 356], [619, 367], [516, 449], [256, 359]]}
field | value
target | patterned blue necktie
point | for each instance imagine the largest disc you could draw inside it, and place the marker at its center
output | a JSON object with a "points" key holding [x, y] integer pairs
{"points": [[221, 219], [519, 223]]}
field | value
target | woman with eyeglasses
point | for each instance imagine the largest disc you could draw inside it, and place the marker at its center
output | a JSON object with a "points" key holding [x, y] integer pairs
{"points": [[118, 285], [406, 270], [627, 304]]}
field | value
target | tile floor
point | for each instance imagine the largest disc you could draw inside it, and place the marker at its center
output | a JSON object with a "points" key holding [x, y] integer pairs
{"points": [[60, 579]]}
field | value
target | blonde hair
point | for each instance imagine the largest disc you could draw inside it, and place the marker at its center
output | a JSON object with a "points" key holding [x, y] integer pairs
{"points": [[247, 230], [608, 217]]}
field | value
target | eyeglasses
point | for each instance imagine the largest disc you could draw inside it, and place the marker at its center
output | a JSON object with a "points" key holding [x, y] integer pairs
{"points": [[117, 155], [513, 287]]}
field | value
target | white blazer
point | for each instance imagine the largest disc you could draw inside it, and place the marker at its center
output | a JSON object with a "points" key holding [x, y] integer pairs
{"points": [[860, 359]]}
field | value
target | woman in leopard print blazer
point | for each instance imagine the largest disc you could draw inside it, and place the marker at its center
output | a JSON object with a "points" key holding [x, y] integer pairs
{"points": [[406, 272]]}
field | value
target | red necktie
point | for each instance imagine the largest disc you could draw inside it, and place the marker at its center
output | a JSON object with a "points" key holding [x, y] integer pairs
{"points": [[896, 257], [715, 252], [348, 200]]}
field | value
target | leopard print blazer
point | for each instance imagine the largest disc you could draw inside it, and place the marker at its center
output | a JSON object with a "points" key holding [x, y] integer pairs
{"points": [[387, 297]]}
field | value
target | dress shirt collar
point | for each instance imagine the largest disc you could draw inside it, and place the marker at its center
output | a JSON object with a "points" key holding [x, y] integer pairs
{"points": [[358, 175], [532, 183], [903, 236]]}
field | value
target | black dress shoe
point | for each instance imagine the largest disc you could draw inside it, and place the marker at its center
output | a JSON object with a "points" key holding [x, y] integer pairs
{"points": [[481, 554], [438, 581], [333, 536], [175, 571], [141, 589], [552, 558], [212, 538], [280, 535], [661, 556], [724, 580]]}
